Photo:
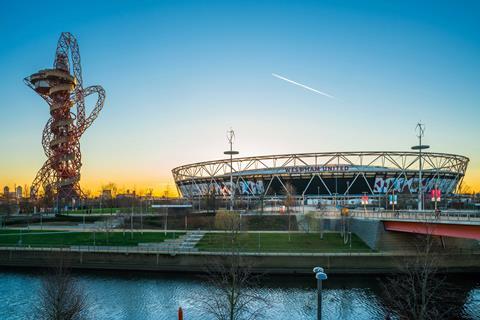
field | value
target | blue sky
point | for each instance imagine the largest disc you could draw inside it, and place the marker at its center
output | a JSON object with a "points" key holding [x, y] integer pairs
{"points": [[178, 74]]}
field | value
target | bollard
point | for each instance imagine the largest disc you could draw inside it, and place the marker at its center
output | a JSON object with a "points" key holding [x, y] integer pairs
{"points": [[180, 313]]}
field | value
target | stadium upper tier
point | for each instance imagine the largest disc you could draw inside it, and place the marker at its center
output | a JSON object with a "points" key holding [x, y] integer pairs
{"points": [[328, 173]]}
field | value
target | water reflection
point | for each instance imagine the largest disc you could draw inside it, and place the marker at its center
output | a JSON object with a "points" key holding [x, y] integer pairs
{"points": [[147, 296]]}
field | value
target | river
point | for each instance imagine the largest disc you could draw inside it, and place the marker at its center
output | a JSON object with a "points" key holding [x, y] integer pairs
{"points": [[145, 296]]}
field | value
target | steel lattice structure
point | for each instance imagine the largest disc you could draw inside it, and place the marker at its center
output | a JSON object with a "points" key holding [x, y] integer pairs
{"points": [[379, 171], [62, 88]]}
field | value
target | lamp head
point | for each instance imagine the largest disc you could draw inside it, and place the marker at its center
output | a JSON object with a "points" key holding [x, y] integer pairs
{"points": [[318, 269], [321, 276]]}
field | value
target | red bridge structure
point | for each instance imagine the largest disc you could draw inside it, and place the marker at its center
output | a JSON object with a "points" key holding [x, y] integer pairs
{"points": [[456, 224], [62, 88]]}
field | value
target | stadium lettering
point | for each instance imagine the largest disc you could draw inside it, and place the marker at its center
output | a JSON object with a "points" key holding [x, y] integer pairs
{"points": [[307, 169]]}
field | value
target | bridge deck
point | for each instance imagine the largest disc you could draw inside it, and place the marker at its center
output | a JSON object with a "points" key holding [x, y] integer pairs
{"points": [[457, 224]]}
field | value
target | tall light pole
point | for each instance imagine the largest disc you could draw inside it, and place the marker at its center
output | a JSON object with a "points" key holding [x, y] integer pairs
{"points": [[320, 275], [420, 129], [231, 152]]}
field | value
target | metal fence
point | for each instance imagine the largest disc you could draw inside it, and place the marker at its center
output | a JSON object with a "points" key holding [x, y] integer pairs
{"points": [[175, 251], [448, 216]]}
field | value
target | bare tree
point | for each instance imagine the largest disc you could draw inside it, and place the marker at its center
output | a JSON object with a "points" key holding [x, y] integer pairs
{"points": [[211, 199], [418, 291], [87, 193], [108, 226], [289, 202], [48, 199], [314, 223], [289, 193], [230, 222], [61, 297], [112, 187], [464, 188], [232, 293]]}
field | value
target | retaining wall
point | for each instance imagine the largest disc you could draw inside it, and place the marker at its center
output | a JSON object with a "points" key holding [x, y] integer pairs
{"points": [[198, 262]]}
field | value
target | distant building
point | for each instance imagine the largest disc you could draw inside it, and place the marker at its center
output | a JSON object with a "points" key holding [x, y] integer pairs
{"points": [[8, 196], [19, 192], [106, 194], [125, 196], [6, 191]]}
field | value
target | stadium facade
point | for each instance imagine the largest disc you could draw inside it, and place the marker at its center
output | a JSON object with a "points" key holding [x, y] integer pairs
{"points": [[326, 174]]}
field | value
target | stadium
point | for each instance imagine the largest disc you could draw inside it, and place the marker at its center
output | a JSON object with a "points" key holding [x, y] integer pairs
{"points": [[317, 175]]}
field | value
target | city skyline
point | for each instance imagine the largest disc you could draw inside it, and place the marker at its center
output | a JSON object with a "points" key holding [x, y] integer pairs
{"points": [[177, 76]]}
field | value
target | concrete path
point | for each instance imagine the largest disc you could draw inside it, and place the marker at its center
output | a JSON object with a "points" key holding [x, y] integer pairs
{"points": [[186, 242]]}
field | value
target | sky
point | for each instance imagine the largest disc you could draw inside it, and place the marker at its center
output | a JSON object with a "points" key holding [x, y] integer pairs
{"points": [[179, 74]]}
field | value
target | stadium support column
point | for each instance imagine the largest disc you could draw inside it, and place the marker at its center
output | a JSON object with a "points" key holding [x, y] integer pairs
{"points": [[420, 128], [231, 152]]}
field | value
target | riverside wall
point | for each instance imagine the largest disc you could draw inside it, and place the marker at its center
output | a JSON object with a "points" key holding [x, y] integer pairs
{"points": [[355, 263]]}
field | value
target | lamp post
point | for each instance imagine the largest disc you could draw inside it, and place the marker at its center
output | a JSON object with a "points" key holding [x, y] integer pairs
{"points": [[231, 152], [420, 128], [320, 275]]}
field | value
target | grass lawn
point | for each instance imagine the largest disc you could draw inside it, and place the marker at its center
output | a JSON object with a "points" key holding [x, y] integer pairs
{"points": [[279, 242], [62, 239]]}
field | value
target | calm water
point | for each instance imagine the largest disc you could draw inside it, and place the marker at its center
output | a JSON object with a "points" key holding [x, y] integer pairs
{"points": [[148, 296]]}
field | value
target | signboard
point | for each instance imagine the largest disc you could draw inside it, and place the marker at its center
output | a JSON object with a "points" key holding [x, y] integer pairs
{"points": [[436, 194], [307, 169], [364, 200], [392, 198]]}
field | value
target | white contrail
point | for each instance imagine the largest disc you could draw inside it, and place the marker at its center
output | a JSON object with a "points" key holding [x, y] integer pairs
{"points": [[303, 86]]}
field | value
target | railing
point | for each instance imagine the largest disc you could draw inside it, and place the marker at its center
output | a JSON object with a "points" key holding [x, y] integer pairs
{"points": [[176, 251], [451, 216]]}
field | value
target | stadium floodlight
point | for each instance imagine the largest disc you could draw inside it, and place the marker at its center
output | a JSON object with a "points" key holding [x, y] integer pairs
{"points": [[420, 129], [231, 152]]}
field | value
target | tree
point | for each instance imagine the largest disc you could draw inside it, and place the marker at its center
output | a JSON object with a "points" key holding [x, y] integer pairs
{"points": [[112, 187], [464, 189], [87, 193], [232, 291], [61, 297], [150, 192], [289, 194], [48, 198], [231, 223], [418, 291], [289, 201], [211, 199]]}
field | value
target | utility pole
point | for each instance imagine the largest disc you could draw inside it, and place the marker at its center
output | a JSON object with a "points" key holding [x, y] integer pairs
{"points": [[141, 215], [131, 218], [420, 129], [231, 152]]}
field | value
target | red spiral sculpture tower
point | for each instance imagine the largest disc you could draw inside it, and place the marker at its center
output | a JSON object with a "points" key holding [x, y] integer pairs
{"points": [[62, 88]]}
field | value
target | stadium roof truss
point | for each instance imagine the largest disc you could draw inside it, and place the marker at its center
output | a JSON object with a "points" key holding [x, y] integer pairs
{"points": [[396, 161]]}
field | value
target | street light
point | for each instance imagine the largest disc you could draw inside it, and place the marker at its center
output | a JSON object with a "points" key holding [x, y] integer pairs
{"points": [[231, 152], [420, 128], [320, 275]]}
